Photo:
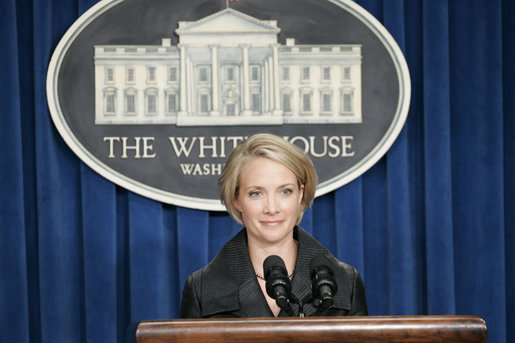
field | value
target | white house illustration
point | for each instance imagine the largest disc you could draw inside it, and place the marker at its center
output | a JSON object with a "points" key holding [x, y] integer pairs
{"points": [[228, 69]]}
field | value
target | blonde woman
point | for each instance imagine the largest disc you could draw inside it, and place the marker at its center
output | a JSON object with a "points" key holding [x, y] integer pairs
{"points": [[266, 185]]}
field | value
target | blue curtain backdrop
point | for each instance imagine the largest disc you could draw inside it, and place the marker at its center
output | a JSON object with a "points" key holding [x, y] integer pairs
{"points": [[431, 226]]}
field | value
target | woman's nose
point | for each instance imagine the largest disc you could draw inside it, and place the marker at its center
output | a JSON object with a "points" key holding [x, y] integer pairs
{"points": [[271, 205]]}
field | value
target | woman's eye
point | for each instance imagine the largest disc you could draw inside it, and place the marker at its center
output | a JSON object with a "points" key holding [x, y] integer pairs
{"points": [[254, 193], [287, 191]]}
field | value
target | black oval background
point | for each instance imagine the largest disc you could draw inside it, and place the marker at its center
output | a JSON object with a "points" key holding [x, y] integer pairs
{"points": [[137, 22]]}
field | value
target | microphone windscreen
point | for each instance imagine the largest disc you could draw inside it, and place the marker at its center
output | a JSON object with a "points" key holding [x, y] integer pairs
{"points": [[272, 261], [317, 261]]}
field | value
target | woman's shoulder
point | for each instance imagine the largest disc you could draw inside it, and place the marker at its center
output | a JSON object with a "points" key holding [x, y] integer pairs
{"points": [[311, 248], [215, 287], [229, 259]]}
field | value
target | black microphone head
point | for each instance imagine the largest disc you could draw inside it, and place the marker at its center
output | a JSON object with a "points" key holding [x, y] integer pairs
{"points": [[317, 262], [323, 283], [273, 261], [278, 284]]}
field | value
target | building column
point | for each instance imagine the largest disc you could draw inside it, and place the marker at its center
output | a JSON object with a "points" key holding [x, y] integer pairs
{"points": [[182, 91], [277, 96], [271, 92], [214, 81], [246, 81], [190, 86], [267, 89]]}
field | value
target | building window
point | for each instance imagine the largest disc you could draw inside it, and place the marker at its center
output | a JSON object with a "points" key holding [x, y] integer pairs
{"points": [[286, 102], [255, 101], [326, 73], [230, 109], [151, 102], [110, 75], [286, 74], [204, 102], [130, 101], [131, 104], [346, 73], [171, 101], [172, 74], [347, 100], [254, 73], [151, 74], [326, 102], [203, 74], [110, 101], [230, 100], [130, 75], [230, 74], [204, 106], [305, 74], [306, 102]]}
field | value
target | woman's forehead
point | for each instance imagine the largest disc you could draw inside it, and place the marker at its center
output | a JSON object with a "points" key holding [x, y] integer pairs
{"points": [[264, 171]]}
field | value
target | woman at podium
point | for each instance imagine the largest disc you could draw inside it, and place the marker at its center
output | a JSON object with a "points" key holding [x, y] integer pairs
{"points": [[272, 267]]}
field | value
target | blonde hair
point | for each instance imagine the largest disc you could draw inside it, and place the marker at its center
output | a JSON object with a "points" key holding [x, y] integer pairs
{"points": [[277, 149]]}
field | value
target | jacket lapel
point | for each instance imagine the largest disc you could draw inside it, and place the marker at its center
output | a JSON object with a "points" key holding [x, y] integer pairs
{"points": [[252, 301], [309, 247], [235, 291], [241, 296]]}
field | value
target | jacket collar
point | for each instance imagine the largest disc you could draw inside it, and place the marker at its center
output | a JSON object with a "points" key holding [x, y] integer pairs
{"points": [[309, 247], [234, 288]]}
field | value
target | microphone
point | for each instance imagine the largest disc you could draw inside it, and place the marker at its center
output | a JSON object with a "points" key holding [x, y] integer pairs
{"points": [[278, 284], [323, 283]]}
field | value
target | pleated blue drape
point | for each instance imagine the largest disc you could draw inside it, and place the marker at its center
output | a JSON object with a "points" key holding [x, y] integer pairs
{"points": [[431, 226]]}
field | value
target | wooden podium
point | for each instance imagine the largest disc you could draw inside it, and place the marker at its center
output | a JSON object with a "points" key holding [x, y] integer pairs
{"points": [[413, 329]]}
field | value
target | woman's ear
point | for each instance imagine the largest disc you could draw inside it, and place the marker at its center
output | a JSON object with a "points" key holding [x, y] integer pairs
{"points": [[236, 204]]}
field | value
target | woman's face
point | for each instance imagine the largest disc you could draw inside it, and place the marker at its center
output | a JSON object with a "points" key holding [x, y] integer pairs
{"points": [[269, 200]]}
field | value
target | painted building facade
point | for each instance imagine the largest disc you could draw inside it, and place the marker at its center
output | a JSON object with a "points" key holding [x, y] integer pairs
{"points": [[228, 69]]}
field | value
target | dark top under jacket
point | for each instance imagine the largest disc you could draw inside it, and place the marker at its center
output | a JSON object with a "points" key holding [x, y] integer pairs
{"points": [[227, 286]]}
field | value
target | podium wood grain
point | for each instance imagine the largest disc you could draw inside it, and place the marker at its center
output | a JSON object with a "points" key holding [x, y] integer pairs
{"points": [[414, 329]]}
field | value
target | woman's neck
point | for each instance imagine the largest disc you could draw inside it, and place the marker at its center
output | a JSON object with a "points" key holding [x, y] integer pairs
{"points": [[287, 250]]}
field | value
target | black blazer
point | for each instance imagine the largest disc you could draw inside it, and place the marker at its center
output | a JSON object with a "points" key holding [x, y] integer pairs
{"points": [[227, 286]]}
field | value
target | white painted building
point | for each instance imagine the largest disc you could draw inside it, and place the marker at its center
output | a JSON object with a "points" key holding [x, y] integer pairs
{"points": [[228, 69]]}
